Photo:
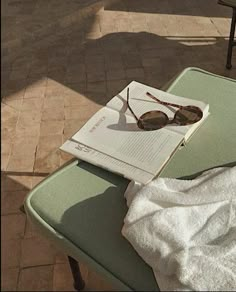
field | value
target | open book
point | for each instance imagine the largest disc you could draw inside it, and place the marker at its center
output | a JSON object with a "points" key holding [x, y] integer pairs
{"points": [[112, 140]]}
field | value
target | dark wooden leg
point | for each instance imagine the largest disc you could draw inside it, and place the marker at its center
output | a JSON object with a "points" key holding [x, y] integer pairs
{"points": [[231, 40], [78, 281]]}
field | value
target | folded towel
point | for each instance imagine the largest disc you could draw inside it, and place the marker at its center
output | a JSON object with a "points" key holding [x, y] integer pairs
{"points": [[186, 230]]}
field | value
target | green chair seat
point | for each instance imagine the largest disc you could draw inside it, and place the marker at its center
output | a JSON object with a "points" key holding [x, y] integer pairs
{"points": [[81, 207]]}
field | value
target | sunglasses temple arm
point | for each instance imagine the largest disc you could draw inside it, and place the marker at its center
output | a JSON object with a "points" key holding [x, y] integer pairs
{"points": [[163, 102], [129, 106]]}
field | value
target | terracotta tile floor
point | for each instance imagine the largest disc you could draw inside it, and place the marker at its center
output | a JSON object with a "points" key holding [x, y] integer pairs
{"points": [[62, 61]]}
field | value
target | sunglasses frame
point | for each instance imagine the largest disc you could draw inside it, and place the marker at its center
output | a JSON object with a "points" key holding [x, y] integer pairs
{"points": [[168, 121]]}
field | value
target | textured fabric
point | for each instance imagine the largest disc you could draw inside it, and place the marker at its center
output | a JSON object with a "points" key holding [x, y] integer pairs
{"points": [[186, 230], [85, 204]]}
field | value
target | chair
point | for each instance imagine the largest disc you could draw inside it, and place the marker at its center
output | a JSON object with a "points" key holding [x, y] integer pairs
{"points": [[232, 43], [81, 207]]}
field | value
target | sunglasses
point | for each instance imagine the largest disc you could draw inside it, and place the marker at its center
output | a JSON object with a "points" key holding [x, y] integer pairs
{"points": [[154, 120]]}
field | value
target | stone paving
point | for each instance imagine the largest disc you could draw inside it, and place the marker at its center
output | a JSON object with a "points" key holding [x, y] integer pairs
{"points": [[61, 62]]}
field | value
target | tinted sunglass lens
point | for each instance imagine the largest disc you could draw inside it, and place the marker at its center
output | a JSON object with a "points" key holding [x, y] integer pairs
{"points": [[188, 115], [152, 121]]}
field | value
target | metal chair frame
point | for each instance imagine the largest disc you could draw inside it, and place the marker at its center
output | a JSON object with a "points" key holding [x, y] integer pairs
{"points": [[232, 42]]}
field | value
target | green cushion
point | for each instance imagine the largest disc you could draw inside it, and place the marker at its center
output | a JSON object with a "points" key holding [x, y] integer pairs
{"points": [[214, 143], [231, 3], [82, 207]]}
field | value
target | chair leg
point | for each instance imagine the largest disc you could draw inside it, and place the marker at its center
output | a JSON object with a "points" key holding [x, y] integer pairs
{"points": [[231, 40], [22, 208], [78, 281]]}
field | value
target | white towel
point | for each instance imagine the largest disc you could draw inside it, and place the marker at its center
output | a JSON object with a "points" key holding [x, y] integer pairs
{"points": [[186, 230]]}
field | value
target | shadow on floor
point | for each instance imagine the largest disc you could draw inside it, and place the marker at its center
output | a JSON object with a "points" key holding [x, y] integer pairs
{"points": [[65, 44], [185, 7]]}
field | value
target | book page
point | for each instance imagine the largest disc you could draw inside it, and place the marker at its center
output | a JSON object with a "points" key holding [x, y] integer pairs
{"points": [[141, 103], [109, 163], [118, 135]]}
